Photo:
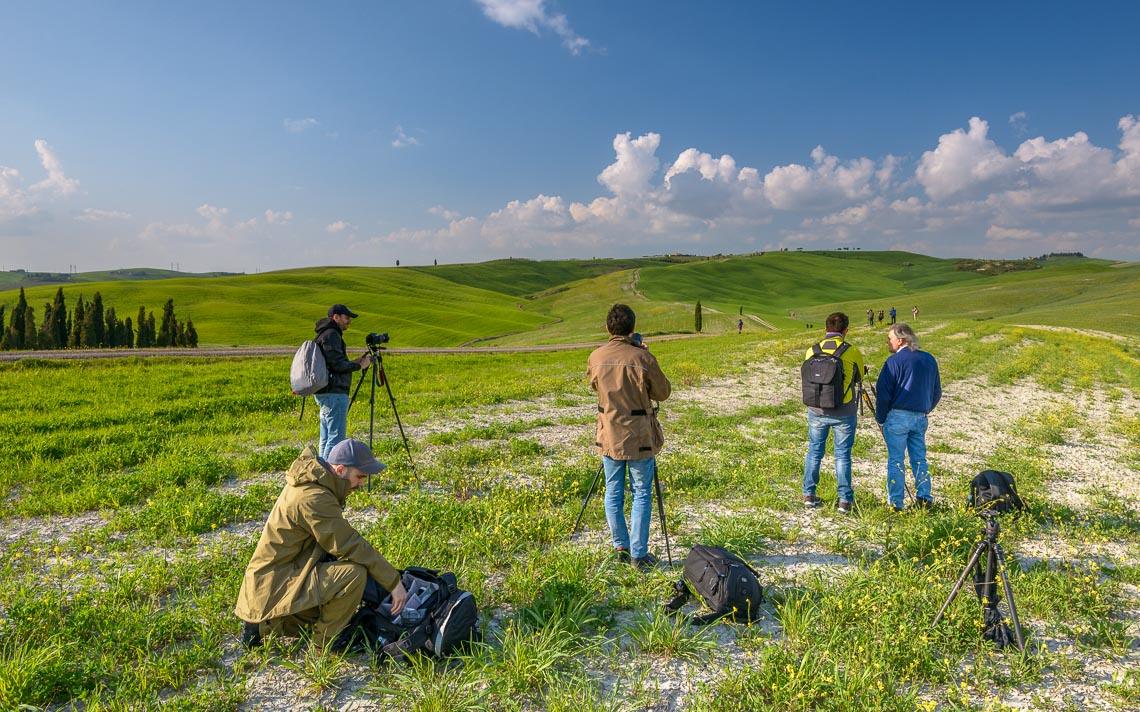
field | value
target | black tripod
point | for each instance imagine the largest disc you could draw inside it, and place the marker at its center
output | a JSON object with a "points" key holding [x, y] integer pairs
{"points": [[867, 402], [985, 586], [660, 506], [379, 377]]}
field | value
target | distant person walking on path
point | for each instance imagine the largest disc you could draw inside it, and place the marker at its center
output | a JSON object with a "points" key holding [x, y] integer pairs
{"points": [[841, 419], [870, 317], [880, 317], [739, 326], [914, 312], [909, 388], [893, 314], [333, 398], [628, 380]]}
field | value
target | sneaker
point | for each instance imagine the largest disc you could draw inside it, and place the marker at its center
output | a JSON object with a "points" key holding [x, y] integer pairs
{"points": [[649, 561], [250, 635], [622, 555], [843, 507], [811, 501]]}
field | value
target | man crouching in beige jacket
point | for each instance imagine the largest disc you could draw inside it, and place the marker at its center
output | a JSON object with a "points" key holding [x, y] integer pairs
{"points": [[311, 566]]}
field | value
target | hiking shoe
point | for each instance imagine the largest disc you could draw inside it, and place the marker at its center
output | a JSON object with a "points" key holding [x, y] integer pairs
{"points": [[811, 501], [896, 508], [649, 561], [622, 555], [920, 503], [250, 635], [843, 507]]}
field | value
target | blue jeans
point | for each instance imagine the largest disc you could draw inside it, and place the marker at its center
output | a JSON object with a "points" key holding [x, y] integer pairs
{"points": [[905, 431], [641, 482], [334, 420], [818, 427]]}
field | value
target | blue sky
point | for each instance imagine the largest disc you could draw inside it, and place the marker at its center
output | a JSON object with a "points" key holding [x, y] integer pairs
{"points": [[263, 135]]}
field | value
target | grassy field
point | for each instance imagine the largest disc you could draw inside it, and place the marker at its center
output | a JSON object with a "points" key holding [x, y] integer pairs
{"points": [[513, 302], [135, 491]]}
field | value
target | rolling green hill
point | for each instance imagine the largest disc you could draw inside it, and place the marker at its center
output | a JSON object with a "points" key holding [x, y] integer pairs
{"points": [[512, 302], [20, 278], [282, 307], [529, 277]]}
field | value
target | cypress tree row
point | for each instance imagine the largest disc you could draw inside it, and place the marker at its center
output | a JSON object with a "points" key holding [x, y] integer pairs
{"points": [[90, 325]]}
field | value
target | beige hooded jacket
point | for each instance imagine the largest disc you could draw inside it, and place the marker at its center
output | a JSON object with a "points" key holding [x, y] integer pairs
{"points": [[306, 521], [628, 380]]}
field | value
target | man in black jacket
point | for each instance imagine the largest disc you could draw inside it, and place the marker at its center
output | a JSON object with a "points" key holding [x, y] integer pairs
{"points": [[333, 398]]}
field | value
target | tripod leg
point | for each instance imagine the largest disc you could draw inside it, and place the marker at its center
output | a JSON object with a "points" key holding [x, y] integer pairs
{"points": [[661, 512], [1009, 598], [961, 579], [586, 499]]}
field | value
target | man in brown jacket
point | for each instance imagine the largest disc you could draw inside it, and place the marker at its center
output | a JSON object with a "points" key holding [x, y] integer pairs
{"points": [[311, 566], [629, 436]]}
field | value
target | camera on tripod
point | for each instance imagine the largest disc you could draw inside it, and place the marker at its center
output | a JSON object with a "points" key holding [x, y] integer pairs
{"points": [[374, 340]]}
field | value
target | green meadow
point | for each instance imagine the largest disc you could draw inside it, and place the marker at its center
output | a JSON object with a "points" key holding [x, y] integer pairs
{"points": [[135, 490], [527, 302]]}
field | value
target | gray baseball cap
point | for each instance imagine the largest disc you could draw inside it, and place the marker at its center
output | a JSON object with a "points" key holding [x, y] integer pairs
{"points": [[354, 453]]}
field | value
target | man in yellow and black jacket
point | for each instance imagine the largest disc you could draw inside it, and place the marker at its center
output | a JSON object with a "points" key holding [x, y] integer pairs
{"points": [[840, 418]]}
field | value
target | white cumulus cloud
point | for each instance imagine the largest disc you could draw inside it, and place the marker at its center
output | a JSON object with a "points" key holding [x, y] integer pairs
{"points": [[338, 226], [964, 162], [823, 185], [532, 15], [403, 140], [273, 217], [56, 181], [93, 215], [300, 125]]}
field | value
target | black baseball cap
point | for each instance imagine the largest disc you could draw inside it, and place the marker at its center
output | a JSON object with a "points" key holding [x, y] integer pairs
{"points": [[341, 309]]}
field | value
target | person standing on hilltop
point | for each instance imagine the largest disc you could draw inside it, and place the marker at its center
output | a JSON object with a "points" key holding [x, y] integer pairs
{"points": [[739, 326], [840, 418], [909, 387], [914, 312], [333, 398], [628, 380], [893, 314], [880, 317]]}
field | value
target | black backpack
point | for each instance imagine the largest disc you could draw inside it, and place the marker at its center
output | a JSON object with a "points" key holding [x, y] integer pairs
{"points": [[725, 583], [822, 377], [439, 617], [995, 491]]}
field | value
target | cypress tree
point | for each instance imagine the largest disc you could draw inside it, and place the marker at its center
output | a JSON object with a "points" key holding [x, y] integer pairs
{"points": [[46, 338], [16, 331], [75, 338], [29, 328], [59, 317], [111, 333], [88, 335], [3, 344], [191, 334], [140, 336], [168, 332], [128, 336], [150, 332], [698, 317], [97, 333]]}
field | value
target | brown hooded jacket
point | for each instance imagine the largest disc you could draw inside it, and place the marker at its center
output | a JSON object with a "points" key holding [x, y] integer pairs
{"points": [[628, 380], [306, 522]]}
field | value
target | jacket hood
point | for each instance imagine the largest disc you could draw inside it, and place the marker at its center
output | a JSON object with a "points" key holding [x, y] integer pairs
{"points": [[326, 323], [310, 469]]}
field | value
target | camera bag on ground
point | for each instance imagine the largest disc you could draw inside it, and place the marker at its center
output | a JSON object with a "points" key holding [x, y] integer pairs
{"points": [[822, 377], [438, 617], [995, 491], [724, 582]]}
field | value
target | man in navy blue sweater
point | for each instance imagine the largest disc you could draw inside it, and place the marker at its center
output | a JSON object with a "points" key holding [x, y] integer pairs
{"points": [[908, 389]]}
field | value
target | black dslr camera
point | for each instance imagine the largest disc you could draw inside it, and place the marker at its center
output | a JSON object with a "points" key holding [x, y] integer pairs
{"points": [[375, 339], [993, 492]]}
